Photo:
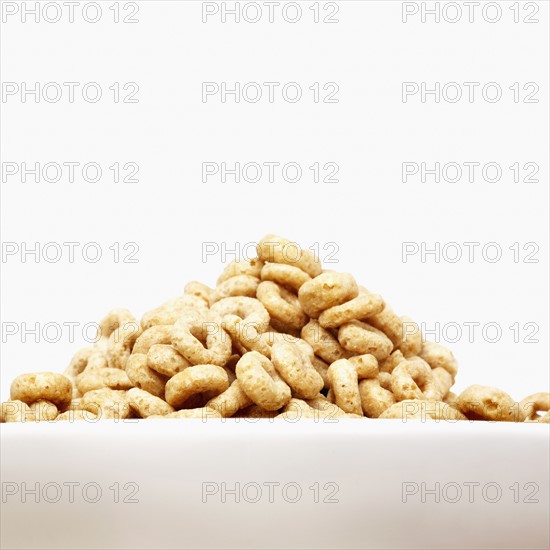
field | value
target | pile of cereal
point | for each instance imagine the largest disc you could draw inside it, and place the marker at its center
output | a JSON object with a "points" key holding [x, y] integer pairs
{"points": [[277, 337]]}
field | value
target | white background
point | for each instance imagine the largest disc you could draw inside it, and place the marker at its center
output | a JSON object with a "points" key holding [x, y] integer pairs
{"points": [[369, 133]]}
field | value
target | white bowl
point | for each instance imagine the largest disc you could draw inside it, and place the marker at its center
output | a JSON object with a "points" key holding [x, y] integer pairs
{"points": [[274, 484]]}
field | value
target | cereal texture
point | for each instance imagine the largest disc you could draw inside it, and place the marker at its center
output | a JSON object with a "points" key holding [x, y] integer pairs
{"points": [[274, 337]]}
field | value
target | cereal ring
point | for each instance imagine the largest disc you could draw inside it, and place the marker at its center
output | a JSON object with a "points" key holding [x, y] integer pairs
{"points": [[324, 344], [487, 403], [42, 385], [261, 382], [389, 323], [204, 413], [366, 366], [279, 250], [195, 380], [388, 364], [76, 414], [437, 355], [282, 305], [374, 398], [443, 379], [361, 338], [106, 403], [188, 337], [326, 291], [251, 267], [121, 342], [411, 337], [230, 401], [94, 379], [326, 408], [200, 290], [157, 334], [406, 410], [256, 412], [240, 285], [245, 337], [344, 384], [296, 370], [413, 379], [165, 359], [250, 310], [44, 410], [534, 403], [16, 411], [321, 367], [285, 275], [169, 312], [146, 404], [450, 399], [114, 319], [78, 362], [362, 306], [144, 378]]}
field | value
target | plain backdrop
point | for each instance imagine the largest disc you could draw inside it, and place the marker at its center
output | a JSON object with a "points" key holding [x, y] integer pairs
{"points": [[368, 213]]}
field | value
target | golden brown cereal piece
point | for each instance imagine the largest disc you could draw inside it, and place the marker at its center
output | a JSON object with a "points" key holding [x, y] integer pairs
{"points": [[360, 337], [114, 319], [411, 337], [256, 412], [389, 323], [42, 385], [437, 355], [16, 411], [443, 379], [78, 362], [157, 334], [250, 310], [534, 403], [165, 359], [106, 403], [94, 379], [322, 368], [202, 413], [240, 285], [278, 250], [362, 306], [406, 410], [345, 386], [245, 336], [282, 305], [325, 291], [384, 378], [44, 410], [202, 342], [285, 275], [324, 344], [146, 404], [169, 312], [251, 267], [366, 366], [121, 342], [233, 399], [487, 403], [195, 380], [261, 382], [413, 379], [296, 370], [144, 378], [374, 398], [450, 399], [388, 364], [72, 415], [326, 408], [200, 290]]}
